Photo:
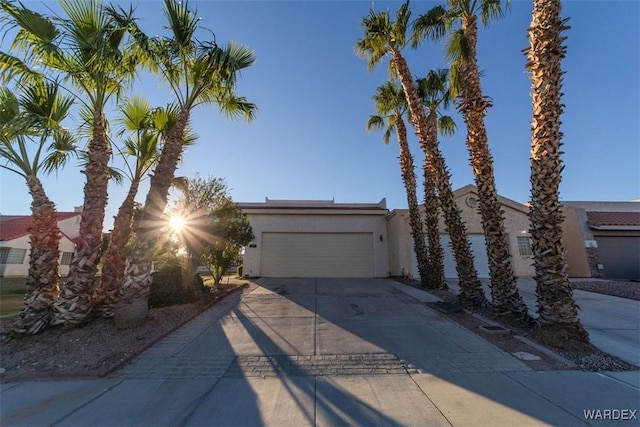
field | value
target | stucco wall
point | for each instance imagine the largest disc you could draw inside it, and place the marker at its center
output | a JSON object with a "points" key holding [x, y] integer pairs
{"points": [[574, 234], [22, 270], [329, 222], [516, 224]]}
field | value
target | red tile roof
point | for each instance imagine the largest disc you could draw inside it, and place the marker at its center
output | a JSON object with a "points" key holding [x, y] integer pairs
{"points": [[12, 227], [613, 219]]}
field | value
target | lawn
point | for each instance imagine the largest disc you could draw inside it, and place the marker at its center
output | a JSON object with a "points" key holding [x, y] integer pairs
{"points": [[11, 296]]}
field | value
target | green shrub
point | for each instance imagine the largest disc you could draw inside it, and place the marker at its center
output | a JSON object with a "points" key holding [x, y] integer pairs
{"points": [[170, 286]]}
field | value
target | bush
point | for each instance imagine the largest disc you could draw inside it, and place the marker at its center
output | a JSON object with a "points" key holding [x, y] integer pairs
{"points": [[170, 286]]}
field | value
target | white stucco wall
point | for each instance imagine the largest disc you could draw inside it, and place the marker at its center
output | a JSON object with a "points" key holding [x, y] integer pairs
{"points": [[329, 221], [22, 270]]}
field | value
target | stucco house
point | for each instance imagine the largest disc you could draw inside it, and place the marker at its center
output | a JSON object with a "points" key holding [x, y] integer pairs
{"points": [[14, 242], [602, 239], [402, 260], [321, 238]]}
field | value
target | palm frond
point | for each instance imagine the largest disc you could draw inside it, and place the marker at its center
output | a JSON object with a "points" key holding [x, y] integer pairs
{"points": [[375, 123], [457, 47], [432, 25], [13, 68], [446, 125], [64, 146], [490, 10], [182, 22]]}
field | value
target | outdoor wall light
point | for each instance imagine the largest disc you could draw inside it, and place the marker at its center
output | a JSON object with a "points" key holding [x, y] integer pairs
{"points": [[253, 245], [381, 238]]}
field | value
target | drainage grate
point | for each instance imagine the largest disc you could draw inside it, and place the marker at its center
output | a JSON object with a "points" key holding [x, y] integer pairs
{"points": [[445, 307]]}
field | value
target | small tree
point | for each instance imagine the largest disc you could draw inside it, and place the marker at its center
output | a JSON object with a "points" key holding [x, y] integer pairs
{"points": [[230, 231], [215, 228]]}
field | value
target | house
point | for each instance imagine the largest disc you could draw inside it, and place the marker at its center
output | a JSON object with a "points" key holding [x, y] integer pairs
{"points": [[14, 242], [317, 238], [602, 239], [402, 260]]}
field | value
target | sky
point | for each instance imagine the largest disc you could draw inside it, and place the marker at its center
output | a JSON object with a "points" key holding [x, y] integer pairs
{"points": [[308, 140]]}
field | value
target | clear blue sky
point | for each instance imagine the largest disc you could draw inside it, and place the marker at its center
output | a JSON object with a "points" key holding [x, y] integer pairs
{"points": [[314, 97]]}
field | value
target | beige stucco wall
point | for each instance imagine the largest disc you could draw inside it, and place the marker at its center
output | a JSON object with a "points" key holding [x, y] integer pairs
{"points": [[516, 224], [325, 222], [574, 234]]}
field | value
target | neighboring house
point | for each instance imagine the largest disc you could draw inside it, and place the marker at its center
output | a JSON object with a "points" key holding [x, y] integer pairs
{"points": [[14, 242], [402, 260], [321, 238], [602, 239]]}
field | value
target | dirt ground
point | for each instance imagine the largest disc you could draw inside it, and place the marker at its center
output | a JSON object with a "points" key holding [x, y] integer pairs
{"points": [[98, 348]]}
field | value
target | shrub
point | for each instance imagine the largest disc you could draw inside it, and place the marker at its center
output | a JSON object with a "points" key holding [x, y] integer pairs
{"points": [[170, 286]]}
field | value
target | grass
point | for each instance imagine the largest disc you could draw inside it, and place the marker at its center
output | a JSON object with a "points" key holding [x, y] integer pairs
{"points": [[11, 296]]}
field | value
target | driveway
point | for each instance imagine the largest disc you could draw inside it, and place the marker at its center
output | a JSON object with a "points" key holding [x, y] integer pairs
{"points": [[322, 352], [613, 323]]}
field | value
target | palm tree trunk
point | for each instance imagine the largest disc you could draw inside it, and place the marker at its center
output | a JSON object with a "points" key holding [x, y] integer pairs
{"points": [[471, 293], [557, 310], [106, 295], [432, 219], [473, 106], [459, 241], [44, 276], [74, 305], [415, 222], [132, 307]]}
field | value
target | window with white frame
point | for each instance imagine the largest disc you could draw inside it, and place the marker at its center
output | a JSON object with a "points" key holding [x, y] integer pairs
{"points": [[66, 258], [524, 246], [12, 255]]}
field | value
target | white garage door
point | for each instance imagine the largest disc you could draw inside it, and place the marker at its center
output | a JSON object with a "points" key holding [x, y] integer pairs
{"points": [[479, 256], [317, 255]]}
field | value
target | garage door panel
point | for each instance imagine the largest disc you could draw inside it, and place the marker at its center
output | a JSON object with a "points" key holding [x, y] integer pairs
{"points": [[620, 256], [317, 255], [479, 255]]}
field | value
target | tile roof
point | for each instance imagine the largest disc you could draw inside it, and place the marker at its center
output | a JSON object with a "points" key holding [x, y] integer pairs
{"points": [[613, 219], [12, 227]]}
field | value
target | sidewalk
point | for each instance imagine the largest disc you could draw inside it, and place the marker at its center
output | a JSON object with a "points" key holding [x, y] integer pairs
{"points": [[325, 352]]}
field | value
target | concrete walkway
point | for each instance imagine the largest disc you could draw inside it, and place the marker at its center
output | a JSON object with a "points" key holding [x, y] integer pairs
{"points": [[325, 352], [613, 323]]}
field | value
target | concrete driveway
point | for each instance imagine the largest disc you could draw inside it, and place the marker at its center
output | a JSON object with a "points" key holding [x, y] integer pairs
{"points": [[323, 352], [613, 323]]}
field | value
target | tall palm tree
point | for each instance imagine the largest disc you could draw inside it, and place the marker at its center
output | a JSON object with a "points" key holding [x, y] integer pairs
{"points": [[33, 142], [198, 73], [557, 310], [382, 37], [391, 106], [142, 147], [434, 93], [87, 48], [460, 20]]}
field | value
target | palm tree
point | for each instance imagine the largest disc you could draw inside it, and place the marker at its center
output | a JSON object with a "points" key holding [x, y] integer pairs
{"points": [[26, 126], [391, 106], [384, 37], [557, 310], [85, 47], [142, 146], [198, 73], [460, 20], [434, 93]]}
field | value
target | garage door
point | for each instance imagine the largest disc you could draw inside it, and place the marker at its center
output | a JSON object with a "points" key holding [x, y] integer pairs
{"points": [[620, 256], [479, 256], [317, 255]]}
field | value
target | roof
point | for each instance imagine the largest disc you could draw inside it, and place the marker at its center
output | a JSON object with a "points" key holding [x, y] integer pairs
{"points": [[315, 205], [614, 220], [14, 226]]}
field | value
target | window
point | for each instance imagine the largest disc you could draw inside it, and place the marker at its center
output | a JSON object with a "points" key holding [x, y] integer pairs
{"points": [[12, 255], [66, 258], [524, 246]]}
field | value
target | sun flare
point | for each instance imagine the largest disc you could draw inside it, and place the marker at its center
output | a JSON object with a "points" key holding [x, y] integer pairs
{"points": [[176, 222]]}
